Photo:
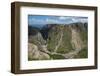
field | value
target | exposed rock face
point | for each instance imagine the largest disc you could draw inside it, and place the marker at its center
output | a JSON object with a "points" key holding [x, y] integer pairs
{"points": [[35, 53], [56, 41], [76, 41]]}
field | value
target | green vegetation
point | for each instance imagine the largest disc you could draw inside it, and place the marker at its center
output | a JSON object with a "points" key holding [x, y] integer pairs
{"points": [[53, 39], [30, 58], [82, 54], [56, 56], [65, 46], [84, 36], [61, 40]]}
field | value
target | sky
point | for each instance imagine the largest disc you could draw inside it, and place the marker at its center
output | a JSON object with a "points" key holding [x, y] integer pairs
{"points": [[41, 20]]}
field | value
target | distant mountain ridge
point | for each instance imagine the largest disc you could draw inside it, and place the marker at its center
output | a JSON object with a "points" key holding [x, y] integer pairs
{"points": [[46, 28], [40, 26]]}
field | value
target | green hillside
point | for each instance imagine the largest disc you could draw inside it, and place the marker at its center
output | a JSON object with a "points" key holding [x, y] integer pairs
{"points": [[58, 41]]}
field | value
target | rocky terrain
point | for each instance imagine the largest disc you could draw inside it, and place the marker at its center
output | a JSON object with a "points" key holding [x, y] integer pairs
{"points": [[58, 41]]}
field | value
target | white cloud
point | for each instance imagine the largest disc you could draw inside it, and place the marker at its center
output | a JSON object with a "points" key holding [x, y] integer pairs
{"points": [[79, 20], [62, 18], [74, 20], [51, 20], [59, 20], [83, 20]]}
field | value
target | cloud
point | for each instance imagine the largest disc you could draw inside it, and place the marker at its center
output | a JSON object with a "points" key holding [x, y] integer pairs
{"points": [[51, 21], [79, 19], [56, 20], [83, 20], [62, 18], [74, 20]]}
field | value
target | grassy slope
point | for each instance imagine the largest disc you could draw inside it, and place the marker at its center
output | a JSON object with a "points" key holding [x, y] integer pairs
{"points": [[82, 54], [66, 46]]}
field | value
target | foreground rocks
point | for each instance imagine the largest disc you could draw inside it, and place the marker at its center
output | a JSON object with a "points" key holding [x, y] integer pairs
{"points": [[35, 54]]}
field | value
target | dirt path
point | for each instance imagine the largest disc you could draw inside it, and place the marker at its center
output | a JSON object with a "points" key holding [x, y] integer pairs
{"points": [[59, 42], [76, 43]]}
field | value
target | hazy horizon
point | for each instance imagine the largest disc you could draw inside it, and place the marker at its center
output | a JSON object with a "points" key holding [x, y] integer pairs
{"points": [[41, 20]]}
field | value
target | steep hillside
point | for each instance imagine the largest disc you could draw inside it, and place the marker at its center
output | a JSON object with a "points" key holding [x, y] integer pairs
{"points": [[58, 41]]}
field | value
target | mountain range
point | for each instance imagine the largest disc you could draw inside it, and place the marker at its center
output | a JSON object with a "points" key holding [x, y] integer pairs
{"points": [[58, 41]]}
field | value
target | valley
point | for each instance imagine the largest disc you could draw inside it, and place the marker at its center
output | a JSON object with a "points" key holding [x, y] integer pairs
{"points": [[58, 41]]}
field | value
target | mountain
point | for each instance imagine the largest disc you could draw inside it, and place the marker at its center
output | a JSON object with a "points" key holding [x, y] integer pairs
{"points": [[58, 41]]}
